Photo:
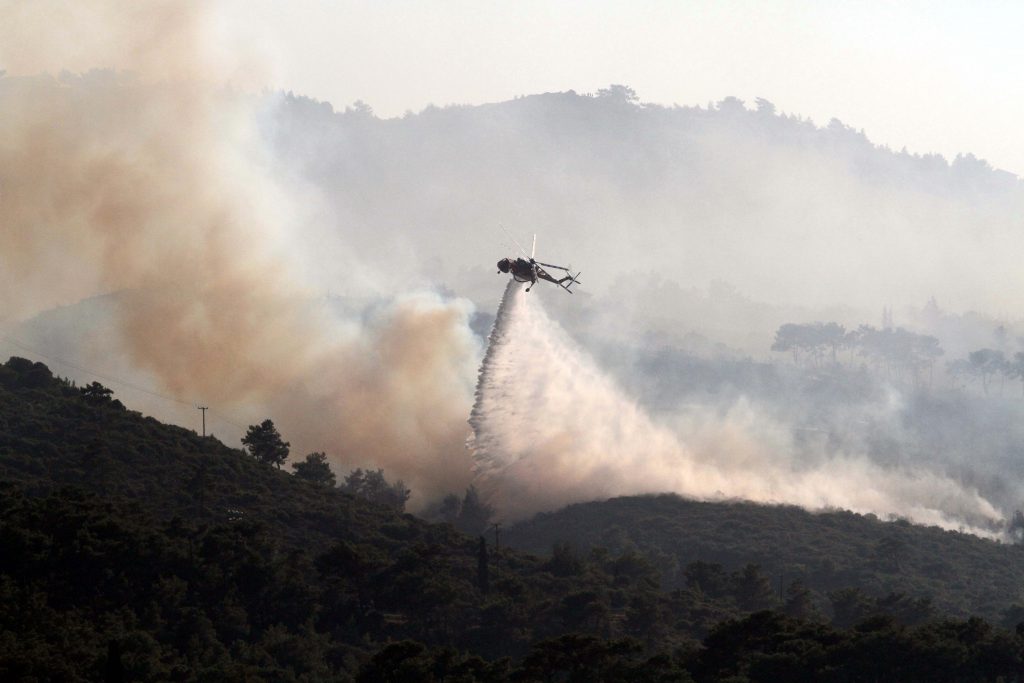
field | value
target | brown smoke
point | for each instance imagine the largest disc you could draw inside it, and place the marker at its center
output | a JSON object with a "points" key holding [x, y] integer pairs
{"points": [[153, 184]]}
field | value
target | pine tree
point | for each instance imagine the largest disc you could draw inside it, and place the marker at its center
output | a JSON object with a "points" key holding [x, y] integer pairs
{"points": [[316, 469], [265, 444]]}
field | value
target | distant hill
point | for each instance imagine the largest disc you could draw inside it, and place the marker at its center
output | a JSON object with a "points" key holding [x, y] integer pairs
{"points": [[960, 573], [739, 192]]}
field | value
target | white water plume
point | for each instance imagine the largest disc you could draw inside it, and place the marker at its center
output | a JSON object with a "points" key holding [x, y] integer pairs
{"points": [[550, 429]]}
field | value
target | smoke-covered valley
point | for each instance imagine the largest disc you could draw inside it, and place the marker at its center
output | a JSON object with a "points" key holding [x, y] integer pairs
{"points": [[274, 255]]}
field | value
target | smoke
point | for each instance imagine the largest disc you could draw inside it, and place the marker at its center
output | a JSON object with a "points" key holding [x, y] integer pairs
{"points": [[549, 429], [154, 184], [151, 178]]}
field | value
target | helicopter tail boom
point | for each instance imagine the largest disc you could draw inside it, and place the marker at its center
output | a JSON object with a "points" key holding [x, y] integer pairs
{"points": [[573, 280]]}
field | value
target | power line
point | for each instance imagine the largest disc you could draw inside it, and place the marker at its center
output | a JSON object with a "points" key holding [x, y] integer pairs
{"points": [[87, 371], [114, 380]]}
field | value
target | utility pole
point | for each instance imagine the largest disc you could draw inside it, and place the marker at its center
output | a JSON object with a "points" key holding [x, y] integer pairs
{"points": [[497, 541], [204, 409]]}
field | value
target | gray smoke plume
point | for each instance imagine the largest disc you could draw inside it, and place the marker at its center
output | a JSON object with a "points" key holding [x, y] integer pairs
{"points": [[549, 429]]}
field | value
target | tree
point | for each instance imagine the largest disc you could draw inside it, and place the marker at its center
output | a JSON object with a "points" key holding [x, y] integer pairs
{"points": [[451, 506], [475, 514], [814, 339], [619, 93], [904, 609], [407, 660], [710, 579], [927, 350], [984, 363], [96, 392], [361, 110], [897, 350], [850, 606], [1015, 369], [831, 335], [800, 603], [889, 553], [753, 589], [732, 106], [582, 610], [265, 444], [564, 560], [789, 337], [373, 486], [574, 658], [315, 469], [764, 107]]}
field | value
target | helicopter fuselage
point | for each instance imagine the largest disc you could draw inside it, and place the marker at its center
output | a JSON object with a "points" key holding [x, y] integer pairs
{"points": [[524, 271], [520, 269]]}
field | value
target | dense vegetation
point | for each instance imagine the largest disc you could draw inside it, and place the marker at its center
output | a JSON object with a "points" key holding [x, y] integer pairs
{"points": [[134, 550], [957, 574]]}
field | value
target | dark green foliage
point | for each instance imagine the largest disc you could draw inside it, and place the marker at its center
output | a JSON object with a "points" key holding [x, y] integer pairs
{"points": [[265, 444], [97, 392], [483, 568], [404, 662], [451, 506], [474, 514], [699, 546], [412, 662], [771, 647], [316, 469], [140, 551], [800, 603], [469, 514], [564, 560], [581, 659], [196, 560], [24, 374], [753, 590], [850, 606], [708, 578], [373, 486]]}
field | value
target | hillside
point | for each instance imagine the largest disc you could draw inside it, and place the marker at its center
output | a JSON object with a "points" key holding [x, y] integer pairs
{"points": [[627, 190], [144, 547], [134, 550], [959, 573]]}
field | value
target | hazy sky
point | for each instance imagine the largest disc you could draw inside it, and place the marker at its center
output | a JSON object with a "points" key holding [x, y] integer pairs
{"points": [[931, 76]]}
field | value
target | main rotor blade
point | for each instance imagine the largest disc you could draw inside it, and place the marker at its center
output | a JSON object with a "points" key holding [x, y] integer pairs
{"points": [[551, 265], [518, 246]]}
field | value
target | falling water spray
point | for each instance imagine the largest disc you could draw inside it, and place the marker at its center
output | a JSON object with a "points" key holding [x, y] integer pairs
{"points": [[549, 428]]}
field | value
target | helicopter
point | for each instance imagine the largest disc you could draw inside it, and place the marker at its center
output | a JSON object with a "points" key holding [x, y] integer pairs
{"points": [[530, 270]]}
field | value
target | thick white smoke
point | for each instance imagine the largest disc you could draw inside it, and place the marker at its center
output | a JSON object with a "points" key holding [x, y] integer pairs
{"points": [[549, 429]]}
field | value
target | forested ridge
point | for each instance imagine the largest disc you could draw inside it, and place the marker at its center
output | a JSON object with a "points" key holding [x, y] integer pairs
{"points": [[133, 550], [957, 574]]}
